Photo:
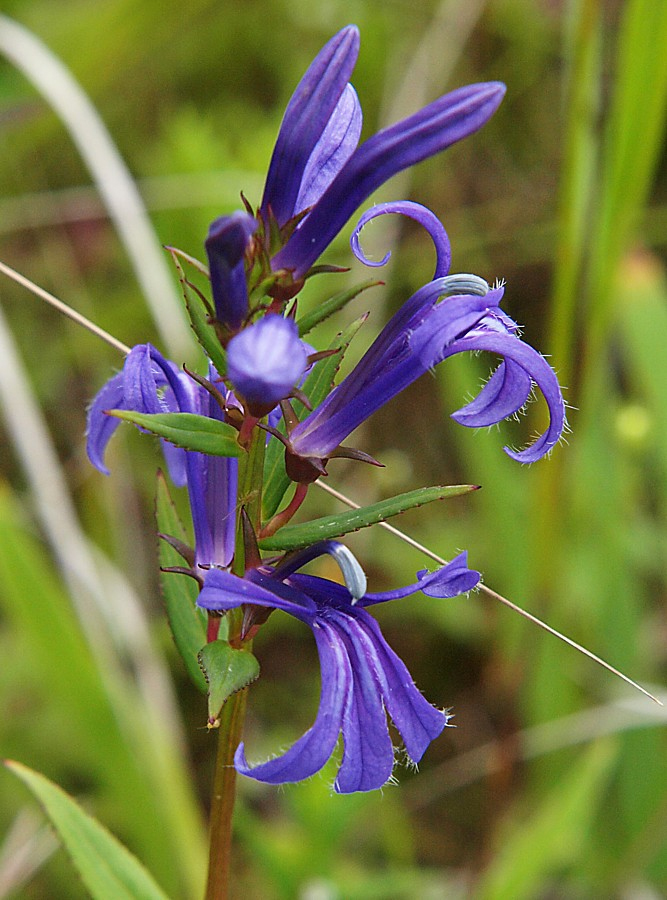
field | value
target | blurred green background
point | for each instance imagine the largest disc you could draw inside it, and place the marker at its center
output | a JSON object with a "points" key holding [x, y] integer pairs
{"points": [[554, 782]]}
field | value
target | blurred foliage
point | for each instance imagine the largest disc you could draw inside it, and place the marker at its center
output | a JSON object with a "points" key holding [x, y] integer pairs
{"points": [[553, 783]]}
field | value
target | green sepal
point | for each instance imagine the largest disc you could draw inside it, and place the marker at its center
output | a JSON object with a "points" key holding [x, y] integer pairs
{"points": [[187, 622], [316, 387], [105, 866], [226, 671], [294, 537], [186, 430], [309, 320], [200, 319]]}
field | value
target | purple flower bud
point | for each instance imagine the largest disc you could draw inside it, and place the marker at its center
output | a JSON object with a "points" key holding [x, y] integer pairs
{"points": [[265, 362], [226, 244]]}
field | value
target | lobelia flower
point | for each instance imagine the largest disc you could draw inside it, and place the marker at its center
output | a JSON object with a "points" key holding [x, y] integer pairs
{"points": [[424, 332], [149, 383], [318, 176], [362, 679]]}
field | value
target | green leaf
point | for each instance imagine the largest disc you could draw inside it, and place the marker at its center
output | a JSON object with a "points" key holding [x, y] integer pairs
{"points": [[187, 430], [187, 623], [227, 671], [199, 319], [294, 537], [107, 868], [308, 321], [316, 387]]}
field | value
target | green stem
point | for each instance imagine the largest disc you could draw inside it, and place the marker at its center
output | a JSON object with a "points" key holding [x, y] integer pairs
{"points": [[233, 712], [222, 801]]}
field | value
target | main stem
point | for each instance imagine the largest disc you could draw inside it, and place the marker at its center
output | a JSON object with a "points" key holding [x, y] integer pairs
{"points": [[232, 715], [222, 801]]}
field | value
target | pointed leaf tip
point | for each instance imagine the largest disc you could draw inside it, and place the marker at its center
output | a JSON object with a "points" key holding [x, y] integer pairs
{"points": [[294, 537]]}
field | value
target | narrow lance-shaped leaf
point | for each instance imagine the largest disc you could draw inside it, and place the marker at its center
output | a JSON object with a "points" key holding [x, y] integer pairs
{"points": [[186, 621], [106, 867], [330, 306], [316, 387], [294, 537], [187, 430], [227, 671]]}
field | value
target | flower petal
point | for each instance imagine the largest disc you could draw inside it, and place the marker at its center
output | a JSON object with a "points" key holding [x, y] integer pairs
{"points": [[409, 344], [223, 591], [452, 318], [136, 388], [538, 369], [338, 142], [354, 576], [212, 486], [449, 580], [100, 427], [417, 720], [453, 579], [368, 756], [313, 749], [308, 113], [432, 129], [504, 393], [420, 214]]}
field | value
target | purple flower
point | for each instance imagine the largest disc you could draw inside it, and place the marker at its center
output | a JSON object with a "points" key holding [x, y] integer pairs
{"points": [[265, 362], [424, 332], [318, 176], [149, 383], [316, 161], [362, 678]]}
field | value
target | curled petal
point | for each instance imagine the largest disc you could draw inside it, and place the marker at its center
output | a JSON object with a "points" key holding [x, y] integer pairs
{"points": [[420, 214], [338, 142], [534, 365], [265, 362], [506, 391], [353, 575], [313, 103], [226, 244], [314, 748]]}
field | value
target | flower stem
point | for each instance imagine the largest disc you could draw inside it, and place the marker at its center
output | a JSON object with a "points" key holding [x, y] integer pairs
{"points": [[222, 801], [232, 715]]}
